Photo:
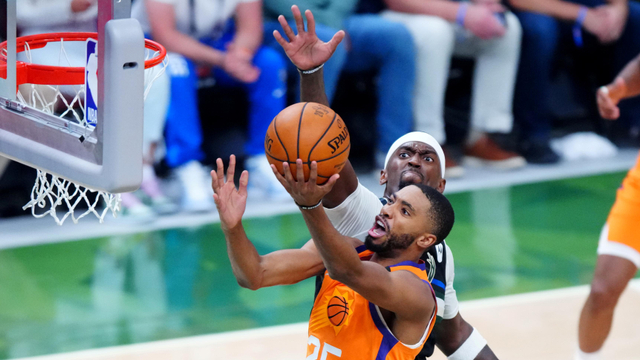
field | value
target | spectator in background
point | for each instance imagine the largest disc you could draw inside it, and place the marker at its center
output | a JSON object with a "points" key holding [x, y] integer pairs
{"points": [[545, 24], [44, 16], [203, 32], [480, 29], [374, 43], [136, 204]]}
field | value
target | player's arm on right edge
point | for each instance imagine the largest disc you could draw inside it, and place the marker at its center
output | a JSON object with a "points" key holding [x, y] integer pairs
{"points": [[252, 270], [308, 54], [625, 85]]}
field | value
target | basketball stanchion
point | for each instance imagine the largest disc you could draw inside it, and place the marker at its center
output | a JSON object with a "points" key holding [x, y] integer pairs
{"points": [[60, 91]]}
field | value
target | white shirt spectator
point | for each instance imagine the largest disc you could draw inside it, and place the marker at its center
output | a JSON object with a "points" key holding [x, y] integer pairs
{"points": [[205, 17], [48, 16], [45, 16]]}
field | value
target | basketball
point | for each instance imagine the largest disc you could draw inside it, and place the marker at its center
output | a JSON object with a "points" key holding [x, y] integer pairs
{"points": [[337, 310], [311, 132]]}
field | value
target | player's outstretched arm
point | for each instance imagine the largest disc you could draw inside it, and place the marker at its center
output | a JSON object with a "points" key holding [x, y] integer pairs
{"points": [[252, 270], [308, 53], [625, 85]]}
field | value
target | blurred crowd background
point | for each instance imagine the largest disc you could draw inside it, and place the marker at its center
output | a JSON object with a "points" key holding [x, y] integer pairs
{"points": [[496, 82]]}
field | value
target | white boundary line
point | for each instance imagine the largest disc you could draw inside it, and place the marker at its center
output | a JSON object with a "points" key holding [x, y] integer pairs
{"points": [[193, 341], [246, 336], [531, 297]]}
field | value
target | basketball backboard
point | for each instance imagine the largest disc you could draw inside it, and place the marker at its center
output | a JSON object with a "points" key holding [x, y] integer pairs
{"points": [[105, 151]]}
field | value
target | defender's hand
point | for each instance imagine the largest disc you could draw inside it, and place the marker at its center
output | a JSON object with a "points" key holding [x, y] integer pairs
{"points": [[304, 193], [230, 202], [305, 50], [608, 98]]}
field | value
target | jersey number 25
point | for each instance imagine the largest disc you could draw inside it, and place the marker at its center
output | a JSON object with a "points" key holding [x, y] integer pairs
{"points": [[326, 349]]}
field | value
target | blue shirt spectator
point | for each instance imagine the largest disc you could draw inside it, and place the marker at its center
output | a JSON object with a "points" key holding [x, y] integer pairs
{"points": [[546, 25]]}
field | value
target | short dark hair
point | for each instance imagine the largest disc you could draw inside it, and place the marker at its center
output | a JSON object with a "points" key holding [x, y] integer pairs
{"points": [[441, 212]]}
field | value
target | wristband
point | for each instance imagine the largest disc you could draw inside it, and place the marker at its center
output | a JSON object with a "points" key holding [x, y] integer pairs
{"points": [[302, 207], [310, 71], [462, 13], [470, 348], [577, 27]]}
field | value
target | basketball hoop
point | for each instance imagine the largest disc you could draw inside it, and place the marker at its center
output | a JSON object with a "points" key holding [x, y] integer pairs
{"points": [[29, 73], [43, 92]]}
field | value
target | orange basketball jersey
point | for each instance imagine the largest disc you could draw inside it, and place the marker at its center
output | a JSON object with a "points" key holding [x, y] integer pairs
{"points": [[345, 325], [624, 218]]}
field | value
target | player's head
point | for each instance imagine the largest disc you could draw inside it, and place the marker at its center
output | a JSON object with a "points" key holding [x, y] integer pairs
{"points": [[415, 158], [401, 225]]}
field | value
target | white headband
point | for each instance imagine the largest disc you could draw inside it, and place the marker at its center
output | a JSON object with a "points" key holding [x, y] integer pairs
{"points": [[422, 137]]}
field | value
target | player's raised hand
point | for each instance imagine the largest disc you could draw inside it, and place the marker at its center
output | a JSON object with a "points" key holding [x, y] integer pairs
{"points": [[304, 193], [305, 50], [231, 202], [608, 98]]}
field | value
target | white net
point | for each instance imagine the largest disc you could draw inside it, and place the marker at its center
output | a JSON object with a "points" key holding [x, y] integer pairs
{"points": [[51, 195]]}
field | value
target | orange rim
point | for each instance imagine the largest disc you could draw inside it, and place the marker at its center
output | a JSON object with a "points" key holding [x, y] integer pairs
{"points": [[27, 73]]}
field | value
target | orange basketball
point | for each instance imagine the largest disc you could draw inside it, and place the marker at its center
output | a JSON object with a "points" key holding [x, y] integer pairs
{"points": [[337, 310], [311, 132]]}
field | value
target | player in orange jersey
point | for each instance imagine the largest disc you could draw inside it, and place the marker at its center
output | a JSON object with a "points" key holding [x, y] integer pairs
{"points": [[383, 308], [619, 246]]}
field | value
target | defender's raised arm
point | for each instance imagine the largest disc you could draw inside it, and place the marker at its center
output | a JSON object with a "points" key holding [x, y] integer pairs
{"points": [[308, 54]]}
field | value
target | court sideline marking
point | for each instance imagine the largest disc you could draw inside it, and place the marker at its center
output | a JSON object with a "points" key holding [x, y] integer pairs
{"points": [[299, 330]]}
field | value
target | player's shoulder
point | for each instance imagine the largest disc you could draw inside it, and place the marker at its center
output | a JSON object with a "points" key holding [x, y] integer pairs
{"points": [[413, 275], [360, 196]]}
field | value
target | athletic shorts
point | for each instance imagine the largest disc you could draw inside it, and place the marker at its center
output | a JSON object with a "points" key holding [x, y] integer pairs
{"points": [[621, 235], [614, 248]]}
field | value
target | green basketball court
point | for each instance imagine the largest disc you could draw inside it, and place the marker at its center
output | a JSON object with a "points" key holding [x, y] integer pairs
{"points": [[177, 282]]}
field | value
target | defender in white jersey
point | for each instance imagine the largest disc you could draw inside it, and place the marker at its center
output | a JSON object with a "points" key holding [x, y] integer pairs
{"points": [[414, 158]]}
